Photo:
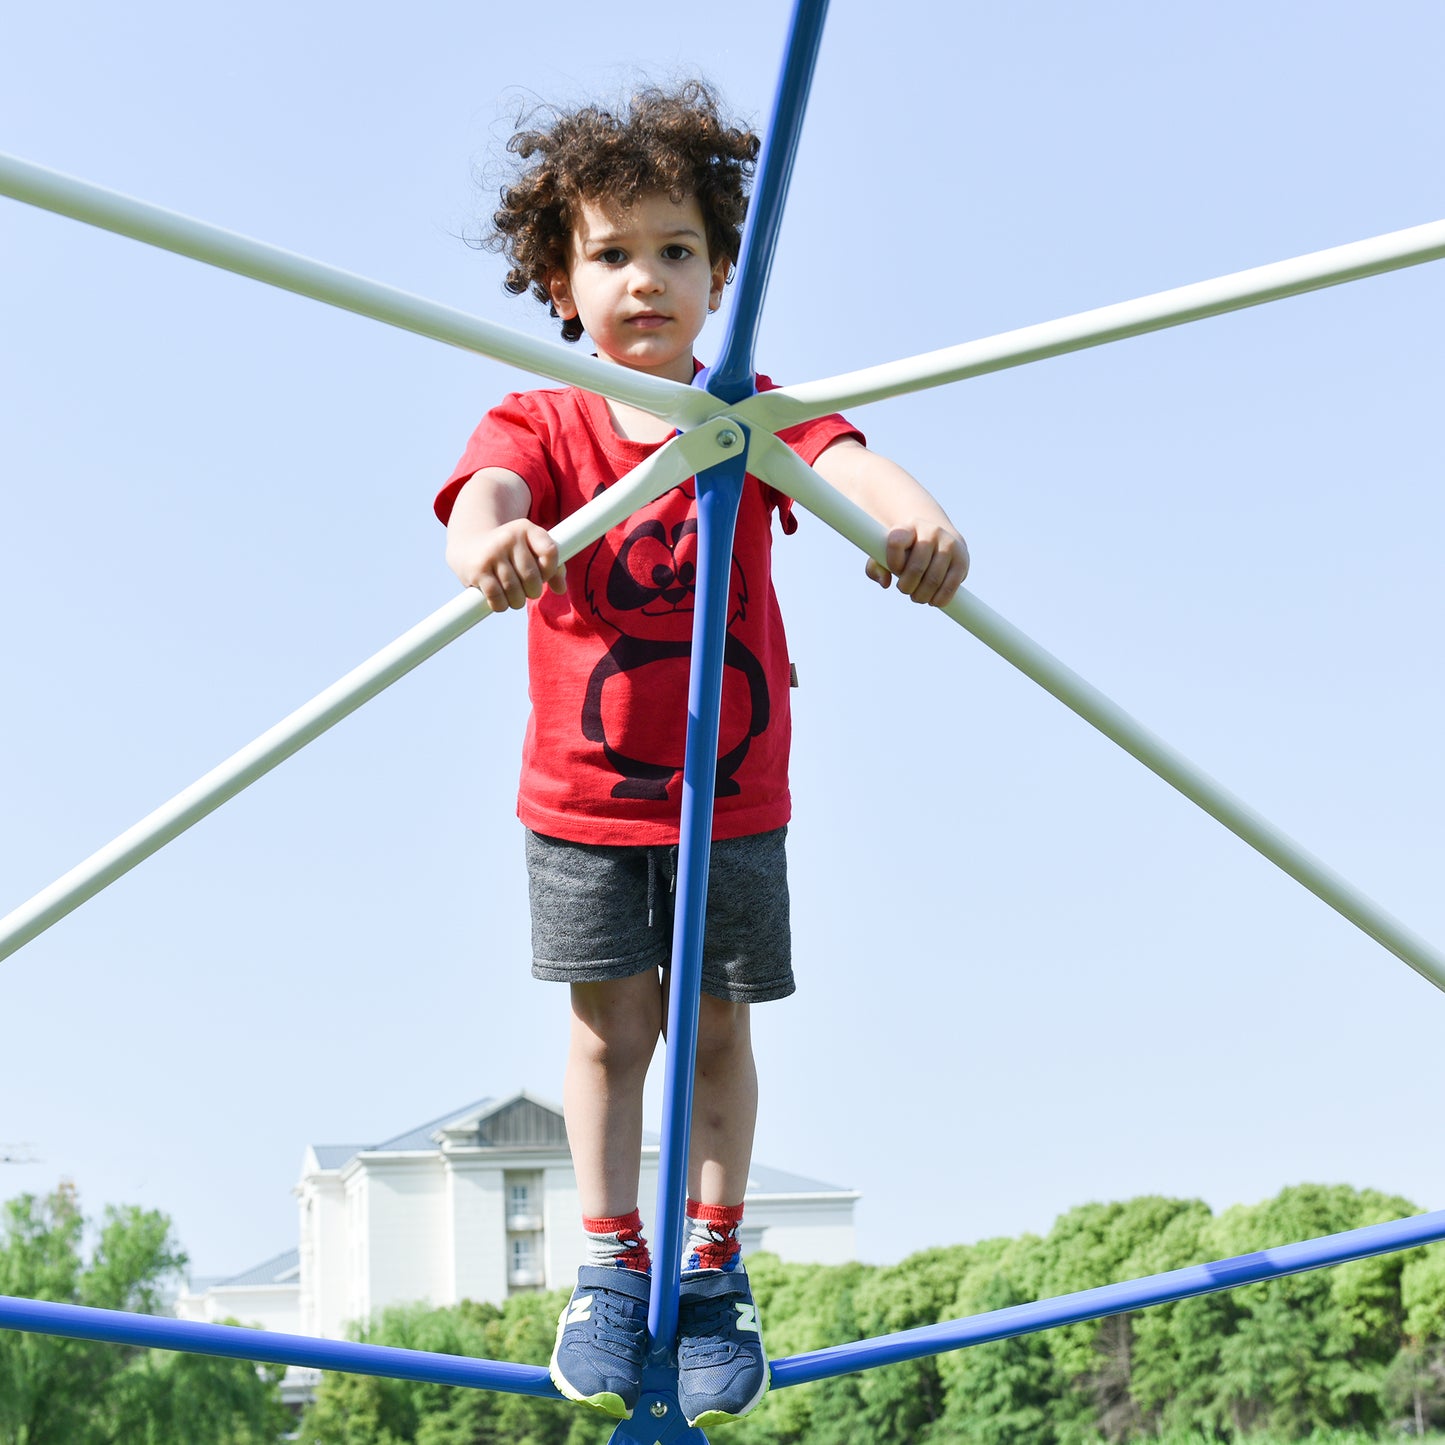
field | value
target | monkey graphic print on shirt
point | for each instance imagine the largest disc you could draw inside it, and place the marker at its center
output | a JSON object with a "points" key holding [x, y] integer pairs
{"points": [[608, 659]]}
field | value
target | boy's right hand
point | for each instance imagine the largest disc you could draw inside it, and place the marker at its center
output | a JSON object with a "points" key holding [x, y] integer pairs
{"points": [[511, 563]]}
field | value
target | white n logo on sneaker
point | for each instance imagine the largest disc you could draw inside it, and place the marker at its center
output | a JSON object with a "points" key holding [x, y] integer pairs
{"points": [[747, 1317], [581, 1309]]}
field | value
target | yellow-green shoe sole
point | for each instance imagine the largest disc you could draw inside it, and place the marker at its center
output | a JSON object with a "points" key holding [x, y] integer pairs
{"points": [[606, 1403]]}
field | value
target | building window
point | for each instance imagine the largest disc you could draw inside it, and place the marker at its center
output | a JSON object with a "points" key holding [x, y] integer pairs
{"points": [[524, 1201], [522, 1192], [524, 1263]]}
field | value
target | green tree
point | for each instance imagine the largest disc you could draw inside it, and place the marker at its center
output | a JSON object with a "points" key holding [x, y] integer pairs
{"points": [[1286, 1368], [804, 1308], [1172, 1349], [1415, 1381], [1422, 1292], [76, 1392], [1003, 1393], [1334, 1351], [902, 1402], [1101, 1244], [1414, 1389], [366, 1410], [177, 1399], [1307, 1352]]}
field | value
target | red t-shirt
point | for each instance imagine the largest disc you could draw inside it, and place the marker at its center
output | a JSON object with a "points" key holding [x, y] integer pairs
{"points": [[608, 659]]}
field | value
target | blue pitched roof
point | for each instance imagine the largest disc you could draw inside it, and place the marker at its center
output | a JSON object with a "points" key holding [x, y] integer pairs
{"points": [[761, 1178], [283, 1269], [765, 1180], [421, 1136], [334, 1156]]}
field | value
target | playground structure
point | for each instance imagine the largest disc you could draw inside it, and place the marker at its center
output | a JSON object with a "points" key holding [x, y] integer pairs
{"points": [[725, 432]]}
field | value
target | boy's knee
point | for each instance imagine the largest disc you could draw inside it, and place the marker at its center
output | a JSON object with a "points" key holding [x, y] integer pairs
{"points": [[723, 1029], [619, 1022]]}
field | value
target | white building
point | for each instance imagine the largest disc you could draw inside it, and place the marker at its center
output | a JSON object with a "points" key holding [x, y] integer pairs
{"points": [[478, 1204]]}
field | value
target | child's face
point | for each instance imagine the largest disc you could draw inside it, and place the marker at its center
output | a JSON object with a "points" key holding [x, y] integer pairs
{"points": [[639, 278]]}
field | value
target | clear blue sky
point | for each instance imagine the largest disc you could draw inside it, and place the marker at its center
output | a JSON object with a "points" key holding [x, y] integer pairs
{"points": [[1031, 975]]}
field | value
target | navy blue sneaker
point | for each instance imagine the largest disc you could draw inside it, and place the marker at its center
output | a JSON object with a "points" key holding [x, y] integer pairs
{"points": [[602, 1340], [722, 1372]]}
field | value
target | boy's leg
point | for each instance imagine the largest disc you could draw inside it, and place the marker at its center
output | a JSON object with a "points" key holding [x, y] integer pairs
{"points": [[724, 1104], [722, 1370], [602, 1333], [615, 1028]]}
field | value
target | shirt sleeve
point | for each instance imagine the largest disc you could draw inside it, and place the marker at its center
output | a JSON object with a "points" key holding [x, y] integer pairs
{"points": [[512, 435], [810, 439]]}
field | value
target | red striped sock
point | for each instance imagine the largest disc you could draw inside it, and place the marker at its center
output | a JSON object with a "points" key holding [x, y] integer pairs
{"points": [[618, 1242], [712, 1236]]}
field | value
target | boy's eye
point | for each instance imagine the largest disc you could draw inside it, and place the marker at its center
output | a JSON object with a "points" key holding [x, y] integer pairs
{"points": [[612, 256], [676, 252]]}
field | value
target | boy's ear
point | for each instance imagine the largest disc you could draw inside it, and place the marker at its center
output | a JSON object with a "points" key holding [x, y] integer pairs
{"points": [[719, 280], [560, 290]]}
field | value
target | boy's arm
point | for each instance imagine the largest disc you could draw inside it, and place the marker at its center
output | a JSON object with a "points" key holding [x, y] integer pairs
{"points": [[493, 547], [925, 551]]}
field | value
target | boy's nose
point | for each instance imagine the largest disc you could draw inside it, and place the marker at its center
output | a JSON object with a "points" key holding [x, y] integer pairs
{"points": [[644, 281]]}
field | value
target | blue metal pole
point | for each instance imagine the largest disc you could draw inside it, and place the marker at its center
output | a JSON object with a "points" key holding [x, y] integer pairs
{"points": [[719, 490], [1112, 1299], [80, 1322], [731, 376]]}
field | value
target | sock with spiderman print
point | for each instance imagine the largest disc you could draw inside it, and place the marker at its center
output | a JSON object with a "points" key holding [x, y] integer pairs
{"points": [[618, 1242]]}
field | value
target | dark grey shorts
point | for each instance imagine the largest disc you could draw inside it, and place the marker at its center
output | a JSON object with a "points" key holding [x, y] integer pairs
{"points": [[601, 912]]}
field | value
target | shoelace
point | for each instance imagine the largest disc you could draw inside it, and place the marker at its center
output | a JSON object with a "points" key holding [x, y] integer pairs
{"points": [[709, 1329], [616, 1331]]}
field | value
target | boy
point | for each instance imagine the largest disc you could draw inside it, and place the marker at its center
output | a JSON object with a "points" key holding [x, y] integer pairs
{"points": [[628, 228]]}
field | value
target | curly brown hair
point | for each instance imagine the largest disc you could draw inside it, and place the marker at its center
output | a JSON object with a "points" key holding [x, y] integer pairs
{"points": [[675, 141]]}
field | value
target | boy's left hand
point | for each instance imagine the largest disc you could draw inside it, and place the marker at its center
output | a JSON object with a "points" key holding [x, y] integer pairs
{"points": [[929, 559]]}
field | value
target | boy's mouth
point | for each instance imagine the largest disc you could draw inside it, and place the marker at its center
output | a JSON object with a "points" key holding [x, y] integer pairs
{"points": [[646, 320]]}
